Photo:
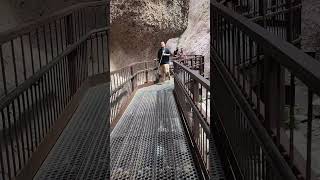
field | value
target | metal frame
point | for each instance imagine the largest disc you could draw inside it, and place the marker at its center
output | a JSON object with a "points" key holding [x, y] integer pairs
{"points": [[44, 63], [249, 103], [192, 95]]}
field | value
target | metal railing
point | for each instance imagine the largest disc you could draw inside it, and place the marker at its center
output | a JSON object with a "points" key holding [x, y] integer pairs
{"points": [[192, 94], [249, 103], [281, 17], [126, 80], [195, 62], [43, 63]]}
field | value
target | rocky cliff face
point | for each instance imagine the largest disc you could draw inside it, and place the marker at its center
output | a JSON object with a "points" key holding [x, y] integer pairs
{"points": [[196, 38], [138, 27]]}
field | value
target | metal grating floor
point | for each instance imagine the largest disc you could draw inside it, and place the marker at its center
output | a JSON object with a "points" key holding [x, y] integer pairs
{"points": [[148, 142], [82, 150]]}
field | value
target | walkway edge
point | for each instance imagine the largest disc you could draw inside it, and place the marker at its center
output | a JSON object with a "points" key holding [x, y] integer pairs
{"points": [[39, 156], [195, 152], [126, 104]]}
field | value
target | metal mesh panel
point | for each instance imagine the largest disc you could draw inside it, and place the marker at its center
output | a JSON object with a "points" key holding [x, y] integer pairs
{"points": [[148, 141], [81, 151]]}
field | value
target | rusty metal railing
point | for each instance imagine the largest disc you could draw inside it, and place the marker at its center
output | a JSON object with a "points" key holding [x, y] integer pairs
{"points": [[193, 97], [259, 80], [126, 80], [281, 17], [43, 63]]}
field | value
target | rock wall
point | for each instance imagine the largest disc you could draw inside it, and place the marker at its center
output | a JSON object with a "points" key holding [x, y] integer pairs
{"points": [[138, 27], [196, 38]]}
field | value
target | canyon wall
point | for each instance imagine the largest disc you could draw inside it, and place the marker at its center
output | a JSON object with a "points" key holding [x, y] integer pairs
{"points": [[138, 27], [196, 38]]}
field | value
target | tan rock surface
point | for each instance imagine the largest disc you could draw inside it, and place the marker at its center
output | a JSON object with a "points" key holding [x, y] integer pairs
{"points": [[138, 27], [196, 38]]}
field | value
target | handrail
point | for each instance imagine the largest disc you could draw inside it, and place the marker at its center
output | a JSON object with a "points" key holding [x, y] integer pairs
{"points": [[6, 100], [57, 55], [304, 66], [128, 79], [29, 26], [203, 122], [260, 132], [203, 81], [192, 95], [257, 95], [132, 64]]}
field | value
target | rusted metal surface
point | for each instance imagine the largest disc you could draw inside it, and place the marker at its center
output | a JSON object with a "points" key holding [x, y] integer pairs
{"points": [[250, 103], [43, 65], [193, 97]]}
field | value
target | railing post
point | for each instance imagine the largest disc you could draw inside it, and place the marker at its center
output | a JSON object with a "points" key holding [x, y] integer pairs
{"points": [[146, 68], [202, 65], [195, 89], [273, 95], [262, 12], [72, 56], [289, 20], [132, 78]]}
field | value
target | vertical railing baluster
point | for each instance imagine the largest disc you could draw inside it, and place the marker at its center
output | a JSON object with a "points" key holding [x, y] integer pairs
{"points": [[273, 95], [56, 36], [16, 137], [309, 134], [61, 34], [30, 116], [72, 56], [51, 40], [14, 63], [102, 53], [97, 48], [5, 136], [2, 172], [38, 48], [4, 79]]}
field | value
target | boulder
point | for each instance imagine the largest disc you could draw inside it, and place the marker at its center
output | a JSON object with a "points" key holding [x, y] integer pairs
{"points": [[138, 27], [196, 38]]}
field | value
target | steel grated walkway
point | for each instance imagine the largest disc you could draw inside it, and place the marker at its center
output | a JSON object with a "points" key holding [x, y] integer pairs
{"points": [[148, 142], [82, 150]]}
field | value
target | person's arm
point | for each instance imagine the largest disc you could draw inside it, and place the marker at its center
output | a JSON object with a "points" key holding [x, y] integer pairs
{"points": [[167, 53]]}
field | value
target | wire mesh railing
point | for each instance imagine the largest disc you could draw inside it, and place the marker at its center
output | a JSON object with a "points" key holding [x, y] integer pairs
{"points": [[43, 64]]}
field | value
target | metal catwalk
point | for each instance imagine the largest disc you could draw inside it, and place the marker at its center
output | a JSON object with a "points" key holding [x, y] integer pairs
{"points": [[148, 142], [81, 151]]}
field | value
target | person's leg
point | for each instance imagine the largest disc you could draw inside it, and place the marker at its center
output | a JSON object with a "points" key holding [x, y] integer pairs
{"points": [[162, 72], [168, 71]]}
